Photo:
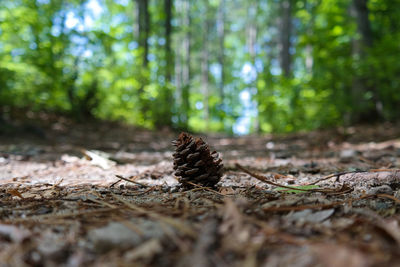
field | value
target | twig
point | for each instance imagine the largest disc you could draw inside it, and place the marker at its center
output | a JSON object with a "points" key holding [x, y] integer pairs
{"points": [[101, 202], [58, 216], [199, 187], [134, 182], [265, 180], [330, 205], [384, 170], [337, 175], [324, 178], [395, 199], [112, 185]]}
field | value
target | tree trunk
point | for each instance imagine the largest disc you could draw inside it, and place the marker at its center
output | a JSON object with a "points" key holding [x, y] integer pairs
{"points": [[143, 23], [186, 61], [143, 31], [221, 39], [285, 28], [168, 31], [363, 23], [182, 62], [251, 40], [309, 60], [205, 67], [365, 111]]}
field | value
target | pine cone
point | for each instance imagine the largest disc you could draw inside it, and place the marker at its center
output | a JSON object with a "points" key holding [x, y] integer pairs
{"points": [[193, 162]]}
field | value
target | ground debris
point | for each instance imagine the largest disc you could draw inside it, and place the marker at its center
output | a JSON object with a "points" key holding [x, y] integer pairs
{"points": [[325, 204]]}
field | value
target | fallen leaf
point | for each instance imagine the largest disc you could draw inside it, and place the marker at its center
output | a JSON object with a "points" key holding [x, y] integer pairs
{"points": [[98, 159]]}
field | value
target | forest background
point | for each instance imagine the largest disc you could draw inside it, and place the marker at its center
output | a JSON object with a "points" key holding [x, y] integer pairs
{"points": [[235, 66]]}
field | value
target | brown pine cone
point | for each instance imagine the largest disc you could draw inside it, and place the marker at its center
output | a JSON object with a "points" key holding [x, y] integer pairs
{"points": [[193, 162]]}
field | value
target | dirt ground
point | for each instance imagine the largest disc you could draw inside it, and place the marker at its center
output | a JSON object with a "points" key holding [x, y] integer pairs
{"points": [[104, 194]]}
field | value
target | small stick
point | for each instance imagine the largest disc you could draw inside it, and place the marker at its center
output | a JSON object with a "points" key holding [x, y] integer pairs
{"points": [[265, 180], [205, 188], [125, 179], [112, 185], [57, 216], [330, 205], [327, 177], [337, 175]]}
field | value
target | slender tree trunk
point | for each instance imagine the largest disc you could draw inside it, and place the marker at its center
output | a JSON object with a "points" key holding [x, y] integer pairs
{"points": [[143, 31], [221, 54], [143, 24], [168, 31], [309, 60], [205, 67], [285, 28], [178, 57], [178, 73], [363, 23], [366, 111], [178, 79], [162, 112], [186, 61], [251, 39]]}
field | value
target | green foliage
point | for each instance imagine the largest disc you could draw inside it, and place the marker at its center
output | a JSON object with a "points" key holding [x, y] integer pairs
{"points": [[69, 56]]}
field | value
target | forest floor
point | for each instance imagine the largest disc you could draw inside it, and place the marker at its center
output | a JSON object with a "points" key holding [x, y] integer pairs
{"points": [[62, 202]]}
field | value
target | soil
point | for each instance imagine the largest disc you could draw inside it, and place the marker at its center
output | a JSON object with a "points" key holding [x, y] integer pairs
{"points": [[104, 194]]}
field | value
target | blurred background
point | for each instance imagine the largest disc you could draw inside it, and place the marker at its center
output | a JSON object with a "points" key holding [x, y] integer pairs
{"points": [[234, 66]]}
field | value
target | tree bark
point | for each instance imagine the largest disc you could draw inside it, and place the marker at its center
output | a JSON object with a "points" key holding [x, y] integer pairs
{"points": [[285, 28]]}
